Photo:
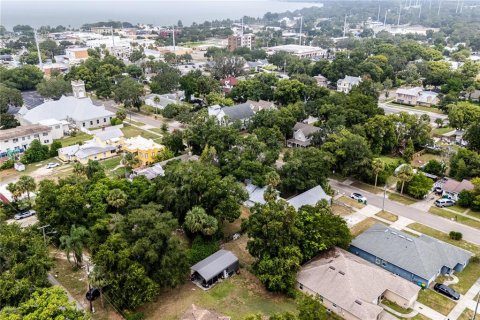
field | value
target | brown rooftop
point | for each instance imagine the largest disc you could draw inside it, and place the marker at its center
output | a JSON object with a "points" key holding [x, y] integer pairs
{"points": [[22, 131]]}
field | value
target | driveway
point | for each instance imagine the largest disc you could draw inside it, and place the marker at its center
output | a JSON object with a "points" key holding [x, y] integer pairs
{"points": [[469, 234]]}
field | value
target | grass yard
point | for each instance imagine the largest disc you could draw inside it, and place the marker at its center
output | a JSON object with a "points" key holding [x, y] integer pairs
{"points": [[130, 131], [79, 137], [237, 297], [75, 281], [436, 301], [444, 237], [402, 199], [111, 163], [351, 202], [387, 216], [363, 225], [458, 209], [390, 160], [467, 314], [422, 108], [440, 131], [137, 123], [424, 158], [341, 210], [396, 307], [157, 130], [467, 277], [366, 187], [456, 217]]}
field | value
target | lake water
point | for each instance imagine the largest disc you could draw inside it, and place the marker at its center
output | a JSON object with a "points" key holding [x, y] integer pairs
{"points": [[74, 13]]}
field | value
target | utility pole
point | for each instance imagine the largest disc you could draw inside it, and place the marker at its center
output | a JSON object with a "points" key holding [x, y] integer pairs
{"points": [[174, 48], [378, 14], [439, 7], [399, 15], [301, 23], [345, 26], [38, 48], [43, 232], [89, 286], [420, 12], [476, 307], [385, 20], [384, 195]]}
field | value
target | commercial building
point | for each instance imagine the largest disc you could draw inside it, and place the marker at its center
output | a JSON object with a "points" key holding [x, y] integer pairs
{"points": [[241, 40], [418, 259], [145, 150], [17, 140], [353, 288], [76, 55], [79, 110]]}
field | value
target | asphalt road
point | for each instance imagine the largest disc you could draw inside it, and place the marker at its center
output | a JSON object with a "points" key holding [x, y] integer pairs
{"points": [[391, 109], [469, 234]]}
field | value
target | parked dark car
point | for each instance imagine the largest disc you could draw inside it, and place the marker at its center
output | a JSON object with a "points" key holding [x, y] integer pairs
{"points": [[92, 294], [447, 291]]}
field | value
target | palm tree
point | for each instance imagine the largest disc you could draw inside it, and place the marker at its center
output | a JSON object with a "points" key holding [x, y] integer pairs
{"points": [[156, 100], [129, 160], [27, 184], [14, 190], [74, 242], [439, 122], [273, 179], [117, 198], [197, 220], [377, 166], [404, 174]]}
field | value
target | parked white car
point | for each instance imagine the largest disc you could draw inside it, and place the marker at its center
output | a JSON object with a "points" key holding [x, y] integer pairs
{"points": [[52, 165], [357, 196]]}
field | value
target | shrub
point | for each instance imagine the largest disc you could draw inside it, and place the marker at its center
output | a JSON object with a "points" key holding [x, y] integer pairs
{"points": [[419, 186], [202, 248], [115, 121], [465, 199], [7, 164], [435, 167], [454, 235]]}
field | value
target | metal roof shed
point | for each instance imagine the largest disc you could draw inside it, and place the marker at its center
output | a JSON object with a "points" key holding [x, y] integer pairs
{"points": [[216, 265]]}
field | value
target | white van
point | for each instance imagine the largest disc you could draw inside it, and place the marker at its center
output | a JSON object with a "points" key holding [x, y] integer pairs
{"points": [[444, 202]]}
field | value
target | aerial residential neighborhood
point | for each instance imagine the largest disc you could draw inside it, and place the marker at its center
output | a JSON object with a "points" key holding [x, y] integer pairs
{"points": [[232, 160]]}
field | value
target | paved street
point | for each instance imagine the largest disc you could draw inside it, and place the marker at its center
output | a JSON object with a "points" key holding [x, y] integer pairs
{"points": [[469, 234], [391, 109]]}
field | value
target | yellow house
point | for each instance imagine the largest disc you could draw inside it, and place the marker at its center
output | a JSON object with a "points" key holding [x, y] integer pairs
{"points": [[85, 152], [145, 149]]}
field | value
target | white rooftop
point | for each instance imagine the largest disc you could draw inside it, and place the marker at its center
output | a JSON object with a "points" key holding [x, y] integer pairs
{"points": [[141, 143], [67, 107]]}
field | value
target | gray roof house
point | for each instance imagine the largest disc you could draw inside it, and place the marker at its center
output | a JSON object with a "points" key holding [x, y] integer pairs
{"points": [[164, 99], [354, 288], [228, 115], [302, 135], [221, 264], [346, 84], [310, 197], [418, 259]]}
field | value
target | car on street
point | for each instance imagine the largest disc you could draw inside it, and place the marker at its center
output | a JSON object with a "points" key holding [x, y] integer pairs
{"points": [[444, 202], [23, 215], [52, 165], [357, 196], [447, 291]]}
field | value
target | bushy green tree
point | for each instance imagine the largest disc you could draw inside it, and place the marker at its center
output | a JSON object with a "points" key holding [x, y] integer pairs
{"points": [[35, 152], [419, 186], [54, 87]]}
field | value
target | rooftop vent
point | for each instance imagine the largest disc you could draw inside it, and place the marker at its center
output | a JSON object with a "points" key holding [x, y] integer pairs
{"points": [[358, 302], [408, 239], [386, 231], [341, 272], [401, 236], [333, 268]]}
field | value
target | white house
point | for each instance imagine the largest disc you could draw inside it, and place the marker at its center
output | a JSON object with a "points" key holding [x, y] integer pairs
{"points": [[79, 110], [302, 135], [346, 84], [16, 140], [228, 115], [164, 99]]}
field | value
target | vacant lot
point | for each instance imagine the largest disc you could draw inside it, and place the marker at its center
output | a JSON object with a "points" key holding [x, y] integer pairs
{"points": [[341, 210], [436, 301], [79, 137], [237, 297], [402, 199]]}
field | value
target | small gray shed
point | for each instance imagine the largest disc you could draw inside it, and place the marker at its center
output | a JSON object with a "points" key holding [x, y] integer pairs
{"points": [[221, 264]]}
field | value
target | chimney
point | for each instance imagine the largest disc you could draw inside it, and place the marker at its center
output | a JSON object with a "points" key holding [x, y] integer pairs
{"points": [[78, 89]]}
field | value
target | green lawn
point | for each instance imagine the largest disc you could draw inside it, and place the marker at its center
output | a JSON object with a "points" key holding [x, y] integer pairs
{"points": [[79, 137], [467, 277], [436, 301], [237, 297], [366, 187], [137, 123], [157, 130], [452, 216], [390, 160], [387, 216], [422, 108], [396, 307], [130, 131], [444, 237], [402, 199], [440, 131], [363, 225], [111, 163], [351, 202], [457, 208], [467, 314]]}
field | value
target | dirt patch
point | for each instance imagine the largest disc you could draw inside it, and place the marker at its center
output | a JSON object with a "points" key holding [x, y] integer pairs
{"points": [[239, 248], [230, 228], [340, 210]]}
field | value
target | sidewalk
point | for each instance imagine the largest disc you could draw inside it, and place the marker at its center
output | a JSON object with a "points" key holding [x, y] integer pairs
{"points": [[428, 312], [466, 301]]}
